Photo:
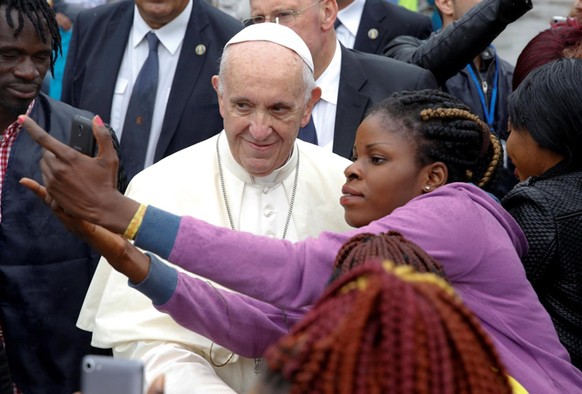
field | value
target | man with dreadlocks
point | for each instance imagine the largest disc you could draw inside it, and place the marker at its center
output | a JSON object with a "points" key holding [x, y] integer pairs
{"points": [[44, 269]]}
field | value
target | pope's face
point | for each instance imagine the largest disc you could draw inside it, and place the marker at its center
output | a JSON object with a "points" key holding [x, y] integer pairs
{"points": [[263, 104]]}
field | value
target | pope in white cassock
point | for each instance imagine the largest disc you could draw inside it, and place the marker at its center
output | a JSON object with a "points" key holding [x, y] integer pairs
{"points": [[254, 176]]}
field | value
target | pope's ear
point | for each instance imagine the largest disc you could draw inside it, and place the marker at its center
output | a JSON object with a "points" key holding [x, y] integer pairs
{"points": [[215, 84]]}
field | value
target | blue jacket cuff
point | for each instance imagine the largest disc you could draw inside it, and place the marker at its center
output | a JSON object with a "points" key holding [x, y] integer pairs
{"points": [[158, 231], [161, 282]]}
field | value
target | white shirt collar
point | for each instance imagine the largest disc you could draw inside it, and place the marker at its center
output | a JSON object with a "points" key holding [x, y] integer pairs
{"points": [[277, 176], [170, 35], [328, 81], [351, 15]]}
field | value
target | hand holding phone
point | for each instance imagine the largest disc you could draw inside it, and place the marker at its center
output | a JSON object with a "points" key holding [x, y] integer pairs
{"points": [[81, 137]]}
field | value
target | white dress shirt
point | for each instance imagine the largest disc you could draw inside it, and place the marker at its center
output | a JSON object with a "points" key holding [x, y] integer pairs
{"points": [[350, 23], [171, 37], [324, 111]]}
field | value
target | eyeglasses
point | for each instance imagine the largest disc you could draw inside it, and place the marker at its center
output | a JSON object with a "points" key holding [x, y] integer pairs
{"points": [[283, 17]]}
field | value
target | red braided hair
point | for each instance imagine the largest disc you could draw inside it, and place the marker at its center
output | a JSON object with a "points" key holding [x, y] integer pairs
{"points": [[383, 328], [365, 247]]}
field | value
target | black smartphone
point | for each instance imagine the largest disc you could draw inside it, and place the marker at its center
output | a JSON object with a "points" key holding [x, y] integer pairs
{"points": [[81, 137], [108, 375]]}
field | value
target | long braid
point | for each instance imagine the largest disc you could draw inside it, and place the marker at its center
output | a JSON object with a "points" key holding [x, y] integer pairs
{"points": [[446, 130], [494, 163], [42, 17], [383, 328]]}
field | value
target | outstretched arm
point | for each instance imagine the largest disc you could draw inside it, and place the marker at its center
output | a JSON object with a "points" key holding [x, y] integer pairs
{"points": [[195, 304]]}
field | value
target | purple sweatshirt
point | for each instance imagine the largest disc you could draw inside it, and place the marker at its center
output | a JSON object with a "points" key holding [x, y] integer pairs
{"points": [[477, 242]]}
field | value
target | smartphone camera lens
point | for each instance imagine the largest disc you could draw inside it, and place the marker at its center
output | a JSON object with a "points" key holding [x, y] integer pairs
{"points": [[89, 365]]}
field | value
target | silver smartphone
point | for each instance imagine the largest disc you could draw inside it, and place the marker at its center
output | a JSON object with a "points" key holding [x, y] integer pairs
{"points": [[558, 19], [108, 375]]}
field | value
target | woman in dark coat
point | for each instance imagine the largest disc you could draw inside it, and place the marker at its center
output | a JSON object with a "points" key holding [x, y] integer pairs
{"points": [[545, 144]]}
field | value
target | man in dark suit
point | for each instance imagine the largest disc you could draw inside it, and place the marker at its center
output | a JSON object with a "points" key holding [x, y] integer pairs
{"points": [[351, 81], [369, 25], [104, 60]]}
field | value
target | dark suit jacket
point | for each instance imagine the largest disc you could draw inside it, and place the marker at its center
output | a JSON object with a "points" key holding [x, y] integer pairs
{"points": [[96, 51], [391, 21], [45, 270], [366, 79]]}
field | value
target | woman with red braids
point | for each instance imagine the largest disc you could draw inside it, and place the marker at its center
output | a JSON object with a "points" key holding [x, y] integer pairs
{"points": [[385, 328], [421, 159]]}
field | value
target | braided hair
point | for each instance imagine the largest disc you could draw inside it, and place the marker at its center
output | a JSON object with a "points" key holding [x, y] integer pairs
{"points": [[383, 328], [42, 17], [444, 129], [365, 247]]}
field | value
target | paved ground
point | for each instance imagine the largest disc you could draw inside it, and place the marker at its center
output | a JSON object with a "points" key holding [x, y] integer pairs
{"points": [[510, 43]]}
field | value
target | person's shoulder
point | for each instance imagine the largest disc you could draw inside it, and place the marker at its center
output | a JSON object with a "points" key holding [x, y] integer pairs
{"points": [[59, 109], [371, 62], [462, 198], [550, 192], [386, 75]]}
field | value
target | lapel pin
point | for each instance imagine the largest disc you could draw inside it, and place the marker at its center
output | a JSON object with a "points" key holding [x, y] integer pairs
{"points": [[373, 34], [200, 49]]}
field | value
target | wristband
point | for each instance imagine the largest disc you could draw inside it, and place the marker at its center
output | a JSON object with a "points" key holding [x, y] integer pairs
{"points": [[134, 225]]}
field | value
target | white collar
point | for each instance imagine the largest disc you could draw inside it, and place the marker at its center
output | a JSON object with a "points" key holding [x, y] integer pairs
{"points": [[276, 177], [170, 35], [328, 81], [351, 15]]}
